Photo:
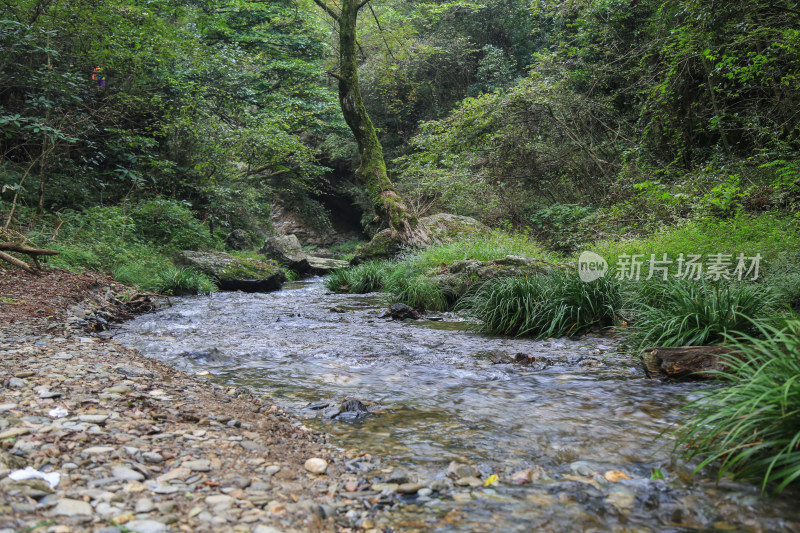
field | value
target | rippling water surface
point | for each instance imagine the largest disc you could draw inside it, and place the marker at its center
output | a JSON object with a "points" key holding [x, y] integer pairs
{"points": [[440, 396]]}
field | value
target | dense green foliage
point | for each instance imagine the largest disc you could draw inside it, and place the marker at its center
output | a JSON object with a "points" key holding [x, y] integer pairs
{"points": [[752, 427]]}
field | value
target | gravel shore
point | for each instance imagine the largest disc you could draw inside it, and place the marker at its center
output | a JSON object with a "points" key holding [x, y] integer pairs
{"points": [[138, 446]]}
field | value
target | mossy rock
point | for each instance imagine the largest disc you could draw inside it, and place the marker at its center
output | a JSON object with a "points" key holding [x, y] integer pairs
{"points": [[234, 273]]}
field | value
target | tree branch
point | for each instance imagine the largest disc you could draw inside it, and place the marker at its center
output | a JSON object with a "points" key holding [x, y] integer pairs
{"points": [[380, 30], [327, 9]]}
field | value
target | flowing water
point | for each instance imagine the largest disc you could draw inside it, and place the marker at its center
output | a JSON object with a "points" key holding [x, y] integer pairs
{"points": [[438, 395]]}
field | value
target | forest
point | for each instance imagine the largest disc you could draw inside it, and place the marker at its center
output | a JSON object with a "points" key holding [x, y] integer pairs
{"points": [[134, 129]]}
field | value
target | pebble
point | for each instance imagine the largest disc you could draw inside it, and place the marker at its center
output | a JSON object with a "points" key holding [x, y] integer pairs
{"points": [[272, 470], [200, 465], [93, 419], [98, 450], [126, 474], [315, 465], [146, 526], [68, 507], [153, 457], [144, 505]]}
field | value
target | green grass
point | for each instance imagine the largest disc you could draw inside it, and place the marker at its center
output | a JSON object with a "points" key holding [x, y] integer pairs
{"points": [[687, 313], [346, 250], [360, 279], [551, 305], [483, 247], [752, 426], [418, 291]]}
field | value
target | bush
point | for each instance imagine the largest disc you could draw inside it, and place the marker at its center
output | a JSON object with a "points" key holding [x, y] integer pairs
{"points": [[551, 305], [753, 425], [686, 313]]}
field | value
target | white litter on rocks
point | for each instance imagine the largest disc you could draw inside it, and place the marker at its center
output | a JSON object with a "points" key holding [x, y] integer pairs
{"points": [[28, 472]]}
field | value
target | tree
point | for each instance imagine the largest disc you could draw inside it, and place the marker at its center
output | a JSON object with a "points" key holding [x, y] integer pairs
{"points": [[405, 227]]}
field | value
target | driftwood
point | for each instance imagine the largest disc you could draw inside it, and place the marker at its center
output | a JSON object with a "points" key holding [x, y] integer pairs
{"points": [[33, 253], [698, 362]]}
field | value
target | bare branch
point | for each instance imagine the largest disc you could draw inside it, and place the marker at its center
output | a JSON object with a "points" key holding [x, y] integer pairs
{"points": [[380, 30]]}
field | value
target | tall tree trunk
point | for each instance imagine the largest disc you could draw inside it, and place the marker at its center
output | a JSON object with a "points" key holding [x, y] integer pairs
{"points": [[372, 169]]}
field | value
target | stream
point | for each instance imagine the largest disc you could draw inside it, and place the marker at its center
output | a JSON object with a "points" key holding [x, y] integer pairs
{"points": [[440, 393]]}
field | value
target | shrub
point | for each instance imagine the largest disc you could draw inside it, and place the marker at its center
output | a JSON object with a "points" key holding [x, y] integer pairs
{"points": [[753, 425], [686, 313], [550, 305]]}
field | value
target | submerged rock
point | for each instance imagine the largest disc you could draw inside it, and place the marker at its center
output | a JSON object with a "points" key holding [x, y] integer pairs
{"points": [[349, 408], [402, 312], [234, 273]]}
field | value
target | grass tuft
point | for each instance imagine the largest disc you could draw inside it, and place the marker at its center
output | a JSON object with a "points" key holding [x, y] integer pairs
{"points": [[551, 305], [177, 281], [360, 279], [686, 313], [752, 426]]}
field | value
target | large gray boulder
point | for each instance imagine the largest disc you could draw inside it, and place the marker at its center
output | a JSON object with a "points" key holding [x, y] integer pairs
{"points": [[286, 250], [234, 273], [443, 227]]}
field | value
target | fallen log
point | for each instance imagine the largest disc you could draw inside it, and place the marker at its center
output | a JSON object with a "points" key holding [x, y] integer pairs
{"points": [[21, 248], [34, 254], [697, 362], [17, 262]]}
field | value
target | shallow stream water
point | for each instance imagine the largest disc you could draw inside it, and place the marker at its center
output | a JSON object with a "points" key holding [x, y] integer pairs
{"points": [[439, 395]]}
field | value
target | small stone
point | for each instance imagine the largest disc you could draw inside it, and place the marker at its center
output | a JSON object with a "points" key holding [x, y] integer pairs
{"points": [[315, 465], [462, 497], [146, 526], [153, 457], [385, 487], [180, 473], [98, 450], [126, 474], [272, 470], [16, 383], [615, 475], [261, 528], [216, 499], [134, 486], [118, 389], [469, 482], [67, 507], [458, 470], [200, 465], [14, 432], [522, 477], [144, 505], [409, 488], [93, 419], [424, 492], [351, 486], [621, 499]]}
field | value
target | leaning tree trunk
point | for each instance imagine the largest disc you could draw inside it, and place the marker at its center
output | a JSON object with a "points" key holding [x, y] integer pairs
{"points": [[372, 169]]}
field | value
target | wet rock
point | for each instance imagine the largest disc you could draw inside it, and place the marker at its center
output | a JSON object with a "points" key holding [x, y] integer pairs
{"points": [[469, 482], [144, 505], [402, 312], [316, 465], [348, 408], [153, 457], [409, 488], [385, 487], [459, 470]]}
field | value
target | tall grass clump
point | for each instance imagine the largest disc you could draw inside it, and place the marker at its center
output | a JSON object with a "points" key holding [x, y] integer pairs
{"points": [[418, 291], [753, 425], [550, 305], [360, 279], [689, 313], [177, 281]]}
